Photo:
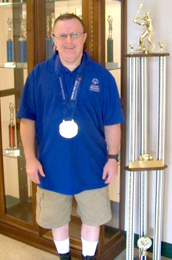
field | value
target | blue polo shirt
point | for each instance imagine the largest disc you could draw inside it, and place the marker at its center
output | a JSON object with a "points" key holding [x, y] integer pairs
{"points": [[71, 165]]}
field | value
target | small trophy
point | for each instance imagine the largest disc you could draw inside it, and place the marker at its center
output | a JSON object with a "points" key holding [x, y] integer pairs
{"points": [[52, 20], [23, 39], [110, 64], [145, 21], [131, 47], [12, 151], [10, 62], [161, 44], [9, 42], [47, 39], [144, 243], [110, 40]]}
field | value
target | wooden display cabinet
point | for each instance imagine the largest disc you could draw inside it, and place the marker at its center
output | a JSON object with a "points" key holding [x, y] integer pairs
{"points": [[32, 21]]}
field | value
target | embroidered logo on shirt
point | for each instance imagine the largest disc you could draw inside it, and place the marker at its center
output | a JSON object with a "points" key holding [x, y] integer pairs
{"points": [[94, 87]]}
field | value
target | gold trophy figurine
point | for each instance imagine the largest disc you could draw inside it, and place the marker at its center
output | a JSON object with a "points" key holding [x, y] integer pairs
{"points": [[131, 47], [110, 20], [147, 21], [161, 44]]}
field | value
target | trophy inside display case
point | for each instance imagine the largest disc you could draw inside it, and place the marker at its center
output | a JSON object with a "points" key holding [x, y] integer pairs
{"points": [[23, 40], [12, 151], [10, 57], [113, 36]]}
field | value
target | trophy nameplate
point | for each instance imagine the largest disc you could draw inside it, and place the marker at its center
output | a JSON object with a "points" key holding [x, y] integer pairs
{"points": [[10, 64], [146, 161], [146, 164]]}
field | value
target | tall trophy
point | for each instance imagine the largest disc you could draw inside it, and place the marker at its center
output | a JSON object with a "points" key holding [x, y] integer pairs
{"points": [[23, 39], [9, 62], [110, 64], [141, 162], [12, 151]]}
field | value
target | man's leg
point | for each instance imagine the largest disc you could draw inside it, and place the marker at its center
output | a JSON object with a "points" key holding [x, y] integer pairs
{"points": [[61, 240], [89, 237], [94, 208], [90, 233], [53, 212]]}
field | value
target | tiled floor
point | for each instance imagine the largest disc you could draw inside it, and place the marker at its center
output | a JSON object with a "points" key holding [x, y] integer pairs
{"points": [[11, 249]]}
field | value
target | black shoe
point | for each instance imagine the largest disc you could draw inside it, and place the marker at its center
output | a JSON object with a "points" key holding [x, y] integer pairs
{"points": [[88, 257], [65, 256]]}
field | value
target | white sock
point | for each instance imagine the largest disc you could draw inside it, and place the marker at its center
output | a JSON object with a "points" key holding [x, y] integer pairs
{"points": [[62, 246], [88, 247]]}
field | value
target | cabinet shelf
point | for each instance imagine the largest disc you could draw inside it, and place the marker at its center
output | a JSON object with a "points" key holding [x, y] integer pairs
{"points": [[16, 65], [11, 4]]}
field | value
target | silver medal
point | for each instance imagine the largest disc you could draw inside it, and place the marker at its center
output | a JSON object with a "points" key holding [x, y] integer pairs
{"points": [[68, 129]]}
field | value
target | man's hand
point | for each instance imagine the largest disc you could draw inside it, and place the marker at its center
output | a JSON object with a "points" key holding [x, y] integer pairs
{"points": [[34, 169], [110, 171]]}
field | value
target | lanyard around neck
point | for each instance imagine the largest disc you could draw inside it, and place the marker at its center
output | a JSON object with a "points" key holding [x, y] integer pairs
{"points": [[69, 106]]}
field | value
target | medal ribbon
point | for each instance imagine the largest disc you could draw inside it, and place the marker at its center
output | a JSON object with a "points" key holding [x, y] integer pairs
{"points": [[69, 106]]}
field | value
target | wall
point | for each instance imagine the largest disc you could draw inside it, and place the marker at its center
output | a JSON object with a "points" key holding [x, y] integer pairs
{"points": [[161, 13]]}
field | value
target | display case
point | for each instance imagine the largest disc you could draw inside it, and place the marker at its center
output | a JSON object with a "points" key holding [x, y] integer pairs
{"points": [[17, 203], [25, 39]]}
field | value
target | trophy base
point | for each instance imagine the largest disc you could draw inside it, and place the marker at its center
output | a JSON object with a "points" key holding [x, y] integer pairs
{"points": [[146, 164], [111, 65], [22, 65], [12, 152], [10, 64]]}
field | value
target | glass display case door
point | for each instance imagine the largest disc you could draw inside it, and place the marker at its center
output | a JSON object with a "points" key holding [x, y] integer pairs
{"points": [[17, 200]]}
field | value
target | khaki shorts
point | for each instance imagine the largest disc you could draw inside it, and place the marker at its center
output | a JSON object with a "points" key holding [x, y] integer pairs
{"points": [[54, 209]]}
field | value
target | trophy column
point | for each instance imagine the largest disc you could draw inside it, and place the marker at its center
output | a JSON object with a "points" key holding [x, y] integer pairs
{"points": [[131, 152], [160, 155], [140, 161]]}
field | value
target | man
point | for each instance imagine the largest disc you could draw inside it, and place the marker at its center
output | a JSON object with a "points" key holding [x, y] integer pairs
{"points": [[71, 106]]}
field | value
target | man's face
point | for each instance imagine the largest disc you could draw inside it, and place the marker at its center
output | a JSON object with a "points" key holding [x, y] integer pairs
{"points": [[70, 49]]}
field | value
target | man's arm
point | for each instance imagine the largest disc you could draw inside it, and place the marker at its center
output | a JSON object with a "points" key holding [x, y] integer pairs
{"points": [[33, 166], [113, 137]]}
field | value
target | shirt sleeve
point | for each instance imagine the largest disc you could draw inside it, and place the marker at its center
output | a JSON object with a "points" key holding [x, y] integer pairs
{"points": [[27, 105], [112, 110]]}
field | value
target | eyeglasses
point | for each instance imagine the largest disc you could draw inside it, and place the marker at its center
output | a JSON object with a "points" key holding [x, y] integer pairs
{"points": [[73, 35]]}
